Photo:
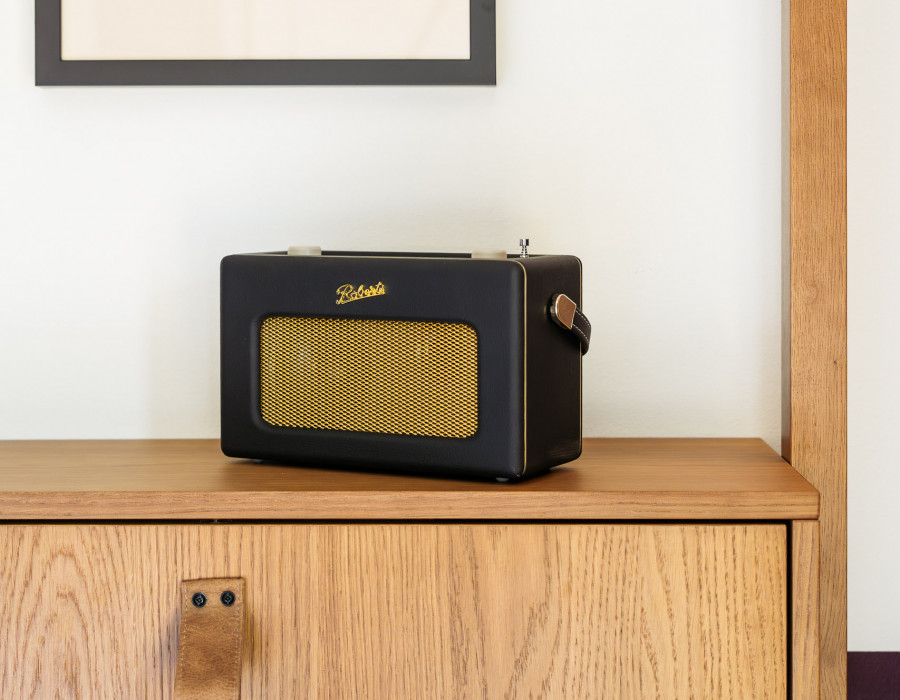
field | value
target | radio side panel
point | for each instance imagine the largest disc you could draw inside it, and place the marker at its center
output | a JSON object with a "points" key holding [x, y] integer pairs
{"points": [[553, 365]]}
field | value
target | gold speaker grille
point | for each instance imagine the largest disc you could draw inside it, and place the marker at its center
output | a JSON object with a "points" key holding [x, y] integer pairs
{"points": [[369, 375]]}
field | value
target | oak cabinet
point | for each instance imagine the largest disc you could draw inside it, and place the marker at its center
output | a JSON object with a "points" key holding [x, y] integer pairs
{"points": [[412, 606]]}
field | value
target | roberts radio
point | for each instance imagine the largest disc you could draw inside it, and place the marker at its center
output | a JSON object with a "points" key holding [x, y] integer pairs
{"points": [[435, 363]]}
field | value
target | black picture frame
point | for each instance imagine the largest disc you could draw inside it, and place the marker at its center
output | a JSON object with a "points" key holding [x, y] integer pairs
{"points": [[478, 69]]}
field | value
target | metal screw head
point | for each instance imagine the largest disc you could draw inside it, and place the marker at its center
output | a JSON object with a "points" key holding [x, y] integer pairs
{"points": [[523, 243], [198, 599], [228, 598]]}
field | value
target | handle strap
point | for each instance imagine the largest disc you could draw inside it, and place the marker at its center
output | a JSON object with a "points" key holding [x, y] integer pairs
{"points": [[567, 315], [210, 639]]}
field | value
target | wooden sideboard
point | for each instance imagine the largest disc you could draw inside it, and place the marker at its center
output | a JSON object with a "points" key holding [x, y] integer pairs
{"points": [[647, 569]]}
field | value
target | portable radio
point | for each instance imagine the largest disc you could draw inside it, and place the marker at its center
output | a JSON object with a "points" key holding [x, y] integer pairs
{"points": [[435, 363]]}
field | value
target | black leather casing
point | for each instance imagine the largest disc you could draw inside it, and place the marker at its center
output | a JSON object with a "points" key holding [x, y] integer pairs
{"points": [[529, 369]]}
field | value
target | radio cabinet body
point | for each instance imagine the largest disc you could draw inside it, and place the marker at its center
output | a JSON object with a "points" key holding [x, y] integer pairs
{"points": [[433, 363]]}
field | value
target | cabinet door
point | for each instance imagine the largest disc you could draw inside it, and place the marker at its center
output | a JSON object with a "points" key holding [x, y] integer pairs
{"points": [[503, 610]]}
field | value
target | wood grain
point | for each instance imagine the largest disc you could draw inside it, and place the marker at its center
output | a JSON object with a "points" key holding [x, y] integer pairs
{"points": [[816, 435], [805, 609], [189, 479], [405, 611]]}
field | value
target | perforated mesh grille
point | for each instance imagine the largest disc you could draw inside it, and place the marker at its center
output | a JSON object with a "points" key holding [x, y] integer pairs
{"points": [[369, 375]]}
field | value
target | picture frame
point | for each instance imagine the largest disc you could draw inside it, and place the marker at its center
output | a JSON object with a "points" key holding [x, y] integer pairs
{"points": [[474, 64]]}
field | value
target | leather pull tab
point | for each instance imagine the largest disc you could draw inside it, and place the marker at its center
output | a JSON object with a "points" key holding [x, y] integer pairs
{"points": [[567, 315], [210, 639]]}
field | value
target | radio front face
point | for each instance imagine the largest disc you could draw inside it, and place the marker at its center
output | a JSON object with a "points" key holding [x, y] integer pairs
{"points": [[388, 361]]}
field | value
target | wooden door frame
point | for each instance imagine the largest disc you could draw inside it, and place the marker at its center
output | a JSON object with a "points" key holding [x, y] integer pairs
{"points": [[814, 435]]}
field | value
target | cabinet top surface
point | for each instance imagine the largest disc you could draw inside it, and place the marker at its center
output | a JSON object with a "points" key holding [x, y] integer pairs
{"points": [[615, 479]]}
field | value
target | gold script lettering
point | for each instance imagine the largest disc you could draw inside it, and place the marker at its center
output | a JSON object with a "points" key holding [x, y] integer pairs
{"points": [[346, 292]]}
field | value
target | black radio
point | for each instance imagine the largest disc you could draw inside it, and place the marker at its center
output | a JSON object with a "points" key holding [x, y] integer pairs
{"points": [[435, 363]]}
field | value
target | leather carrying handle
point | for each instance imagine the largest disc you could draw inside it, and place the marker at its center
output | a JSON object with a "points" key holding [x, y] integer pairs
{"points": [[210, 639], [567, 315]]}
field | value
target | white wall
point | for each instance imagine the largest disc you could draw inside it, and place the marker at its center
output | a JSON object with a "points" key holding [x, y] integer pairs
{"points": [[642, 136], [874, 324]]}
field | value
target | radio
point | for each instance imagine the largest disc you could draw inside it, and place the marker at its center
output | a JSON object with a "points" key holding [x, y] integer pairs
{"points": [[437, 363]]}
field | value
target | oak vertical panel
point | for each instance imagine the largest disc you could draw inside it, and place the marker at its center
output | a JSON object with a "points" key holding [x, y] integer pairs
{"points": [[815, 440], [805, 609]]}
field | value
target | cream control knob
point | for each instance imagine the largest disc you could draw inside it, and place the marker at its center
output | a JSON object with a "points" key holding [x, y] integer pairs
{"points": [[489, 253], [304, 250]]}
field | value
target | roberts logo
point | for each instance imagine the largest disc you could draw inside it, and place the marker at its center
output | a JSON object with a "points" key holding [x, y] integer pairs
{"points": [[346, 293]]}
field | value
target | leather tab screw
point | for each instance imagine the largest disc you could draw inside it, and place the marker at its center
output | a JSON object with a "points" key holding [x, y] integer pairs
{"points": [[210, 639]]}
